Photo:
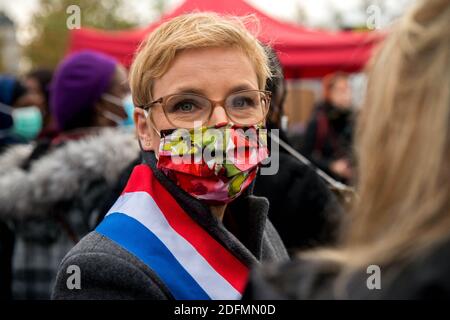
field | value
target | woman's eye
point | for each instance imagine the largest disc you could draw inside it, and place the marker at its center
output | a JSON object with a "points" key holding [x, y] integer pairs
{"points": [[243, 102], [185, 106]]}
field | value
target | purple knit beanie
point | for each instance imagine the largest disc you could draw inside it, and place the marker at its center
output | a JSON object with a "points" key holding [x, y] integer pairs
{"points": [[78, 83]]}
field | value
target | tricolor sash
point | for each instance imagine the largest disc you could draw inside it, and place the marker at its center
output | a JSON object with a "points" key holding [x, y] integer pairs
{"points": [[149, 223]]}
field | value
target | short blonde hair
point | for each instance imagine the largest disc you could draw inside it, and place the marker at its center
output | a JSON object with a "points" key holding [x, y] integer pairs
{"points": [[191, 31]]}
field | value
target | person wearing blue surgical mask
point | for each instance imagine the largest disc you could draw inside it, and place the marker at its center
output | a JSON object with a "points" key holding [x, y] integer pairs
{"points": [[20, 118], [78, 89]]}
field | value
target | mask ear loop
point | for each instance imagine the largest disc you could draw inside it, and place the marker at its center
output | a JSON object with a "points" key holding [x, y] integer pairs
{"points": [[113, 99], [147, 115], [111, 116]]}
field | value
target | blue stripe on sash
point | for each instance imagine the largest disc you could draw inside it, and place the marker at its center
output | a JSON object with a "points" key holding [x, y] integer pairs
{"points": [[141, 242]]}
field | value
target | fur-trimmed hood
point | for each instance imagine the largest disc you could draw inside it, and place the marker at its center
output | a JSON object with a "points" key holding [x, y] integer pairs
{"points": [[59, 175]]}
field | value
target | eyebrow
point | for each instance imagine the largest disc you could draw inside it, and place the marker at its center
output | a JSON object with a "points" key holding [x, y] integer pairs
{"points": [[188, 90], [198, 91]]}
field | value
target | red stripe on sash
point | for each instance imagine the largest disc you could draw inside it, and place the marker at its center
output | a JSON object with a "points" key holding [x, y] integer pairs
{"points": [[223, 261]]}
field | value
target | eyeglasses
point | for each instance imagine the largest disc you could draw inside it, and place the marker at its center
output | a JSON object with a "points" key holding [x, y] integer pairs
{"points": [[247, 107]]}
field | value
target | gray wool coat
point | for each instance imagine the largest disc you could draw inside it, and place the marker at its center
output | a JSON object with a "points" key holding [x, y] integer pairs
{"points": [[107, 271]]}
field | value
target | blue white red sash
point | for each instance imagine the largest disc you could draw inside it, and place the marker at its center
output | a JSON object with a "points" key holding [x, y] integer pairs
{"points": [[149, 223]]}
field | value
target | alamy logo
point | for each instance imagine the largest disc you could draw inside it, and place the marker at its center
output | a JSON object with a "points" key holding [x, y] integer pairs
{"points": [[74, 280], [374, 280], [74, 19]]}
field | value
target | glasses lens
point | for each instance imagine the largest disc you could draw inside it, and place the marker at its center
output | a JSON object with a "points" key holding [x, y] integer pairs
{"points": [[183, 110], [247, 107]]}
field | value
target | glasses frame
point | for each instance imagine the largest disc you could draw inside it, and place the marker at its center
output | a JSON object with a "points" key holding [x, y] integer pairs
{"points": [[267, 95]]}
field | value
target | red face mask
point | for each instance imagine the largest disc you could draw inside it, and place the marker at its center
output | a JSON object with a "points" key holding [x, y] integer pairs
{"points": [[213, 164]]}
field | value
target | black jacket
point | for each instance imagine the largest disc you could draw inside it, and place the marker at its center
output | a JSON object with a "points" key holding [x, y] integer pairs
{"points": [[328, 137], [302, 208], [51, 198]]}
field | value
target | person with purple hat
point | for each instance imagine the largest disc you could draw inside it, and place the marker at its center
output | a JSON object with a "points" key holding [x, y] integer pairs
{"points": [[83, 89], [54, 190], [19, 117]]}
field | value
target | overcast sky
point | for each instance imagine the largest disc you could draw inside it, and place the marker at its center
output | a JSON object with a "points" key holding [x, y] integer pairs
{"points": [[319, 13]]}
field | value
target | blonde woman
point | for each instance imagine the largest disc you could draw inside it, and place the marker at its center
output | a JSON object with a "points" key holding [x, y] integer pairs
{"points": [[396, 241], [186, 229]]}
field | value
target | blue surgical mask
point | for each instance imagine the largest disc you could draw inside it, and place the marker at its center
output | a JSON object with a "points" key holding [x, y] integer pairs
{"points": [[27, 122], [125, 103]]}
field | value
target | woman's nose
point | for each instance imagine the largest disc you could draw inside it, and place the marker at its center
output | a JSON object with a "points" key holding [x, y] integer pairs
{"points": [[219, 117]]}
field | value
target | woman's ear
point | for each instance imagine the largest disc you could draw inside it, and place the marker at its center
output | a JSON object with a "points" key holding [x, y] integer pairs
{"points": [[144, 132]]}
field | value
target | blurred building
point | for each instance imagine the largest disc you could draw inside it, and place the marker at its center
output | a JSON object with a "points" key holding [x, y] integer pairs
{"points": [[9, 48]]}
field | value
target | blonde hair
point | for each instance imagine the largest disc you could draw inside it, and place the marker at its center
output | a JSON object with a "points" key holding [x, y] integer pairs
{"points": [[191, 31], [403, 147]]}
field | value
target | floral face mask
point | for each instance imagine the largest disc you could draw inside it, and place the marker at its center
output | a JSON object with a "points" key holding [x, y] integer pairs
{"points": [[213, 164]]}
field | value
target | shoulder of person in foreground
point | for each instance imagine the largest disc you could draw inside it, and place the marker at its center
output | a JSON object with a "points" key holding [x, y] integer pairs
{"points": [[298, 279], [423, 277], [79, 172], [97, 268], [426, 276]]}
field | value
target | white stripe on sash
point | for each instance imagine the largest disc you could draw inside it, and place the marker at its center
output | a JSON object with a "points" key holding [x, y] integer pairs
{"points": [[141, 206]]}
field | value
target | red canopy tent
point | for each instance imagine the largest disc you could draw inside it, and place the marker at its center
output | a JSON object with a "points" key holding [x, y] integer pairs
{"points": [[303, 52]]}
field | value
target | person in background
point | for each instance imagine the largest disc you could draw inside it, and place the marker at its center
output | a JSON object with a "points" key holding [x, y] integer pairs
{"points": [[329, 135], [13, 95], [395, 243], [20, 119], [52, 194], [38, 83], [302, 208]]}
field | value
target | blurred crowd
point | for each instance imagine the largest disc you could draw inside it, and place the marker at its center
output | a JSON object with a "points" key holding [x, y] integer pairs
{"points": [[68, 146]]}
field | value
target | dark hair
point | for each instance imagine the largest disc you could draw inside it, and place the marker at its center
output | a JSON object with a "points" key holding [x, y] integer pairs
{"points": [[44, 78], [18, 91], [83, 119]]}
